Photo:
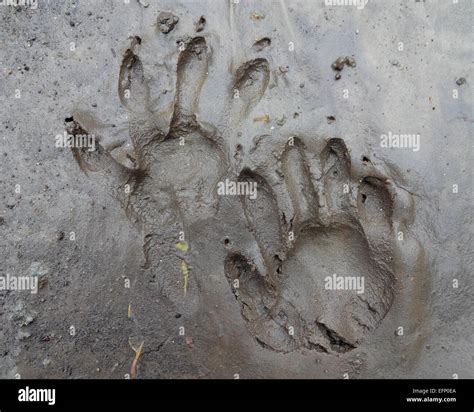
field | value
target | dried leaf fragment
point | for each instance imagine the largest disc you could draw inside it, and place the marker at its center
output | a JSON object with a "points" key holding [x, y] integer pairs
{"points": [[264, 119], [183, 246], [185, 272]]}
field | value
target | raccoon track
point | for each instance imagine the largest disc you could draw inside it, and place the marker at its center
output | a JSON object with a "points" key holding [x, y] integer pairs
{"points": [[177, 162], [345, 243], [339, 223]]}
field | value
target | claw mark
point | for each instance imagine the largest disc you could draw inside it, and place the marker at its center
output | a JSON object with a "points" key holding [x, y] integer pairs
{"points": [[261, 44], [252, 81], [191, 74], [133, 91]]}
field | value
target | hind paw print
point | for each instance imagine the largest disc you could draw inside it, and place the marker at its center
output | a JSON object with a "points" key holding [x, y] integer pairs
{"points": [[168, 182]]}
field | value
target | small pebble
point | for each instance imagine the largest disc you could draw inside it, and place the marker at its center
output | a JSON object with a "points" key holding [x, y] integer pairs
{"points": [[167, 21]]}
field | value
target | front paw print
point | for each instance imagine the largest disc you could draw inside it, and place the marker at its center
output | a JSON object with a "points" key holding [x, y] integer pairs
{"points": [[328, 278]]}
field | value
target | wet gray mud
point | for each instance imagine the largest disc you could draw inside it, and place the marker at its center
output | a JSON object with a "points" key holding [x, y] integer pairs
{"points": [[350, 256]]}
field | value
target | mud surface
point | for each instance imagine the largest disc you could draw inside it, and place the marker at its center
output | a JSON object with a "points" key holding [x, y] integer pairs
{"points": [[132, 242]]}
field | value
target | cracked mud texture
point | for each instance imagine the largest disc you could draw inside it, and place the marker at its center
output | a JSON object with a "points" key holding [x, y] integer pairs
{"points": [[181, 96]]}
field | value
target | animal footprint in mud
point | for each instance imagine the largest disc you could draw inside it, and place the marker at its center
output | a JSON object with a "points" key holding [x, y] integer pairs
{"points": [[328, 275], [175, 166]]}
